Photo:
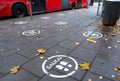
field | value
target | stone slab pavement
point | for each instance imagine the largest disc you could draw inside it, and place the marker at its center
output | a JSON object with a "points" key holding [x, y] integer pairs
{"points": [[63, 35]]}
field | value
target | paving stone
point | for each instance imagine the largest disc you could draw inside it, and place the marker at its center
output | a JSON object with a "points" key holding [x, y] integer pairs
{"points": [[7, 63], [74, 29], [86, 23], [1, 57], [92, 46], [31, 51], [7, 50], [46, 78], [25, 42], [46, 33], [35, 66], [0, 75], [68, 32], [78, 36], [59, 37], [93, 77], [57, 50], [48, 43], [22, 75], [110, 54], [84, 54], [68, 44], [104, 67]]}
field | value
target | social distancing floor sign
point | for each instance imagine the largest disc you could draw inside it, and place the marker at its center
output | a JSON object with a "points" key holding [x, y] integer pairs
{"points": [[62, 63], [31, 32]]}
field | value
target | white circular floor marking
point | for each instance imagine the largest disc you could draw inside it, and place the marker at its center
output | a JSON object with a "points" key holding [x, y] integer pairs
{"points": [[71, 12], [45, 17], [31, 32], [61, 23], [62, 63], [21, 22], [92, 34], [61, 14]]}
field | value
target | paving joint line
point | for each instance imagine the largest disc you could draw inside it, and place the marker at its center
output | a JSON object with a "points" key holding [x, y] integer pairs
{"points": [[30, 72], [103, 76]]}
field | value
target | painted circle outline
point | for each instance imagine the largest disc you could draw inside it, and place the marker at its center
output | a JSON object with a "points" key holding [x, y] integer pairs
{"points": [[20, 22], [61, 23], [60, 76], [90, 33], [45, 17]]}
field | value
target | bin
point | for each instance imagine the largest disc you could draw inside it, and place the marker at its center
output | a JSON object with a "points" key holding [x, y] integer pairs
{"points": [[111, 12], [118, 14]]}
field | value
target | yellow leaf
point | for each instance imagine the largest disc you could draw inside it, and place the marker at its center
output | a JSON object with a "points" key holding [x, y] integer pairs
{"points": [[90, 40], [89, 79], [77, 43], [118, 77], [116, 46], [100, 77], [14, 70], [112, 34], [84, 66], [41, 51], [118, 24], [105, 35], [106, 39], [117, 69]]}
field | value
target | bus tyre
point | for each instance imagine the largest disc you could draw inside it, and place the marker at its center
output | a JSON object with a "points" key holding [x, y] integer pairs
{"points": [[19, 10], [73, 5]]}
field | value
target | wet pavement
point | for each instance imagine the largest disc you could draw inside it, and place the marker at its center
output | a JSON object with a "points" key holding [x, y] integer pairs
{"points": [[64, 36]]}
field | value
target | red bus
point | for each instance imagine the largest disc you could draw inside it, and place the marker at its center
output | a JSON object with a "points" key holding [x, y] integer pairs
{"points": [[20, 8]]}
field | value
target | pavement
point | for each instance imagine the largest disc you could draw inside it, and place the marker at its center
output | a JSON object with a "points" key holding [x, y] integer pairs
{"points": [[64, 36]]}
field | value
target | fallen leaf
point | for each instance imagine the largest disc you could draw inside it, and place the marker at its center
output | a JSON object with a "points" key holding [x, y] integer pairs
{"points": [[104, 35], [117, 69], [111, 27], [106, 39], [89, 79], [100, 77], [118, 77], [112, 34], [116, 46], [14, 70], [37, 54], [90, 40], [41, 51], [1, 49], [61, 29], [118, 41], [41, 57], [18, 49], [84, 66], [42, 30], [113, 76], [109, 47], [118, 24], [77, 43], [38, 26]]}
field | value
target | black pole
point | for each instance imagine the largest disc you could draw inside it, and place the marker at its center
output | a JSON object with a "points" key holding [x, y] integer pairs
{"points": [[98, 7], [30, 3]]}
